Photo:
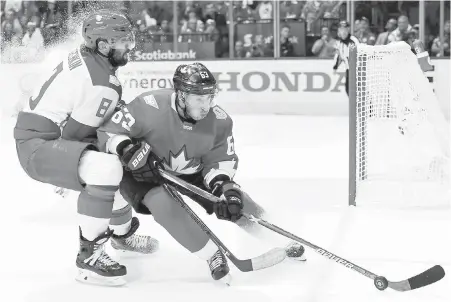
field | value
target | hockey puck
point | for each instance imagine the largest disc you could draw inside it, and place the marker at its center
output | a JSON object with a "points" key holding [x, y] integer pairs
{"points": [[381, 283]]}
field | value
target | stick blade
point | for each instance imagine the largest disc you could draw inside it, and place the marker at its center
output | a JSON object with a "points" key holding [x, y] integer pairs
{"points": [[427, 277], [268, 259]]}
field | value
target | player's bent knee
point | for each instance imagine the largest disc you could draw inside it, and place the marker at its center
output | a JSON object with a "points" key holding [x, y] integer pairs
{"points": [[97, 168], [159, 203]]}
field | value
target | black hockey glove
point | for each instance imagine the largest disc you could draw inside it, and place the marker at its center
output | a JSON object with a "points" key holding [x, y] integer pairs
{"points": [[142, 162], [230, 207]]}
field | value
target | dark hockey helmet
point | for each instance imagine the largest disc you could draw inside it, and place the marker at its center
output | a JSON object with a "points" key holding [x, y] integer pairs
{"points": [[109, 26], [194, 78]]}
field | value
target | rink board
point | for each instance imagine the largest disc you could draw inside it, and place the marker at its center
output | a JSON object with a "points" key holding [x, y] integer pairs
{"points": [[298, 86]]}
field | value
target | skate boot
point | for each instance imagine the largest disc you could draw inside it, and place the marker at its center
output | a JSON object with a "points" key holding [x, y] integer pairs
{"points": [[131, 242], [295, 251], [219, 268], [95, 265]]}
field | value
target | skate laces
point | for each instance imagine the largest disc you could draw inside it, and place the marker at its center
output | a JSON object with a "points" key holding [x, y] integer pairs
{"points": [[100, 256], [137, 241], [216, 261]]}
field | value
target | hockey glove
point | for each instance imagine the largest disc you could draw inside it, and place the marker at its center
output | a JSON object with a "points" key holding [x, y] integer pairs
{"points": [[142, 162], [230, 207]]}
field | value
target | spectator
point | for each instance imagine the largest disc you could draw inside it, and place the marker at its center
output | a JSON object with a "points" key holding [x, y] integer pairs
{"points": [[165, 32], [9, 37], [14, 5], [324, 47], [142, 35], [187, 30], [51, 23], [33, 41], [157, 12], [436, 44], [403, 28], [10, 18], [211, 31], [286, 46], [191, 6], [265, 10], [214, 35], [382, 38], [333, 10], [256, 50], [244, 13], [414, 33], [30, 13], [147, 19], [240, 52], [290, 10], [51, 15], [364, 35], [315, 8], [247, 43], [200, 31], [312, 23]]}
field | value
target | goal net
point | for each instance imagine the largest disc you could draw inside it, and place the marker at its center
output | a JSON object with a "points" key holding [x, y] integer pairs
{"points": [[398, 135]]}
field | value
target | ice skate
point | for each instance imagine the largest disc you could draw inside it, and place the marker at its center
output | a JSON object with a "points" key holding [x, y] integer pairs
{"points": [[134, 243], [95, 266], [295, 251], [219, 268]]}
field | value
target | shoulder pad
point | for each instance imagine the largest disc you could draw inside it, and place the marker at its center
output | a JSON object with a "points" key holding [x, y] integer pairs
{"points": [[150, 100], [100, 73], [219, 113], [158, 99]]}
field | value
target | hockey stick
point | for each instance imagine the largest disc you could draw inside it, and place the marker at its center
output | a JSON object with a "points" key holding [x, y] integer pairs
{"points": [[266, 260], [425, 278]]}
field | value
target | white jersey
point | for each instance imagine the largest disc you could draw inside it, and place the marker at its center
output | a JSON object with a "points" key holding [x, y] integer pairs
{"points": [[83, 87]]}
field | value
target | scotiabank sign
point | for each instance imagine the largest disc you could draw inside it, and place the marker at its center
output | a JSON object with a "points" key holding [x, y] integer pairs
{"points": [[165, 51], [163, 55]]}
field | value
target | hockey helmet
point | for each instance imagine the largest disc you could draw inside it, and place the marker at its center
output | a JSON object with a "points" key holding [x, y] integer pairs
{"points": [[113, 27], [194, 78]]}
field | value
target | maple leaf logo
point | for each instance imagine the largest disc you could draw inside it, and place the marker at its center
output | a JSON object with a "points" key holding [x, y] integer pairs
{"points": [[180, 164]]}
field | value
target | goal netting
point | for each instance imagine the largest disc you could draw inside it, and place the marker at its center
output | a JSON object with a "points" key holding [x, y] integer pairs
{"points": [[399, 137]]}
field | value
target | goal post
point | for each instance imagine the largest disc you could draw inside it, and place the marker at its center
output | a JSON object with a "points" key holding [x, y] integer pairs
{"points": [[398, 136]]}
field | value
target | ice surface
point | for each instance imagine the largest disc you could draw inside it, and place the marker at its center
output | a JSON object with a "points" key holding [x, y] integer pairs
{"points": [[296, 167]]}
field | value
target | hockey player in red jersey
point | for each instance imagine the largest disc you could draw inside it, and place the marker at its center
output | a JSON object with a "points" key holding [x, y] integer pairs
{"points": [[182, 131], [53, 137]]}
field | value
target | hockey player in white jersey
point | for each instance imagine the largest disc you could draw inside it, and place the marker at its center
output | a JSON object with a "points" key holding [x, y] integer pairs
{"points": [[54, 138]]}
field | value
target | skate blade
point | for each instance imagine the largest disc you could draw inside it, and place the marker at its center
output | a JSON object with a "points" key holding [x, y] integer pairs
{"points": [[226, 280], [88, 277]]}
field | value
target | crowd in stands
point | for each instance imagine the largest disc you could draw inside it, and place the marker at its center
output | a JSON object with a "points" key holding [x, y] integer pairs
{"points": [[32, 26]]}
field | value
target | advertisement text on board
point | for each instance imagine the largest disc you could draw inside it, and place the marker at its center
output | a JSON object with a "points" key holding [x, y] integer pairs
{"points": [[254, 81]]}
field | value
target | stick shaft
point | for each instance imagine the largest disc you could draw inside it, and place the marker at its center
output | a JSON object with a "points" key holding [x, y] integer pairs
{"points": [[319, 250], [272, 227], [243, 265]]}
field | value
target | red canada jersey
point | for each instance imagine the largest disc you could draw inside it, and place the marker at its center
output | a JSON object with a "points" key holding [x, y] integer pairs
{"points": [[206, 146]]}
